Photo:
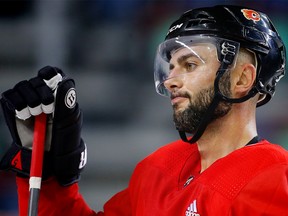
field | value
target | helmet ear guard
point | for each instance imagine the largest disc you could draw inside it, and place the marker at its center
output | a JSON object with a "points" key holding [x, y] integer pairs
{"points": [[266, 84]]}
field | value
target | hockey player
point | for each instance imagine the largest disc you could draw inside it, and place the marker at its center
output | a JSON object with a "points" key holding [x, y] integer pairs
{"points": [[217, 65]]}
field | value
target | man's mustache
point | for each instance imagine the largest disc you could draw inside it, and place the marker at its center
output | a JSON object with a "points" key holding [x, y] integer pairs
{"points": [[179, 94]]}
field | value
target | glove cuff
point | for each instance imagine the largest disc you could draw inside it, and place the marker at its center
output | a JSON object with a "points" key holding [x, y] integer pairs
{"points": [[18, 159], [68, 167]]}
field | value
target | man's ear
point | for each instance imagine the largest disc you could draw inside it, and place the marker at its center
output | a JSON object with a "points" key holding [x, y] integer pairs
{"points": [[245, 79]]}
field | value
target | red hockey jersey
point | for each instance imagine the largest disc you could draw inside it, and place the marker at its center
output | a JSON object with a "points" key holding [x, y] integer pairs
{"points": [[252, 180]]}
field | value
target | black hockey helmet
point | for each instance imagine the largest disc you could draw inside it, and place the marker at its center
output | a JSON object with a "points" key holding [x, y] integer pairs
{"points": [[232, 28], [252, 29]]}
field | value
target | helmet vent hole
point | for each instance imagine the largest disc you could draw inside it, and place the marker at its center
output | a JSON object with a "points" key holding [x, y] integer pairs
{"points": [[199, 21], [203, 15]]}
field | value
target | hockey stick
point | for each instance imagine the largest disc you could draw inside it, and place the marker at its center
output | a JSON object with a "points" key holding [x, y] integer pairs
{"points": [[36, 163]]}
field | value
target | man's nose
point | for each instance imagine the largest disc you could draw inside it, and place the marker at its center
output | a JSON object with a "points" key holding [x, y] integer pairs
{"points": [[173, 83]]}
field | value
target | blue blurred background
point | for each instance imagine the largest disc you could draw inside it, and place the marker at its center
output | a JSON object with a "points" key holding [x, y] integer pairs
{"points": [[108, 47]]}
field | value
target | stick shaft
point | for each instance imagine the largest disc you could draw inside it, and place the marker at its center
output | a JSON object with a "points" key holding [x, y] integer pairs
{"points": [[33, 201], [36, 163]]}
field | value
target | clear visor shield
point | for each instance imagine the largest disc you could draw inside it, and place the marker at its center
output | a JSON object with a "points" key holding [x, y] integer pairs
{"points": [[184, 58]]}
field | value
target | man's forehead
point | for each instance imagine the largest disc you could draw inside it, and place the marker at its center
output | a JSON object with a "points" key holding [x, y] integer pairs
{"points": [[203, 51]]}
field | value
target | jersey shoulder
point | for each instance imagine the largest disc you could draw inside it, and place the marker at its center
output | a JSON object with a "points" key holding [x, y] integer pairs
{"points": [[230, 174], [266, 153]]}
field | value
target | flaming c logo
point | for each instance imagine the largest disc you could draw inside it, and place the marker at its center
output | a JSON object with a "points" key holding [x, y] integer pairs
{"points": [[251, 15]]}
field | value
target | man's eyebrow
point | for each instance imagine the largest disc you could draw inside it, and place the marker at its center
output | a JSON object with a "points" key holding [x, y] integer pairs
{"points": [[191, 49], [183, 58], [187, 56]]}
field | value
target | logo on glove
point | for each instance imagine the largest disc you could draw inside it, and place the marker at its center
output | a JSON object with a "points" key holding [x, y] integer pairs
{"points": [[70, 98]]}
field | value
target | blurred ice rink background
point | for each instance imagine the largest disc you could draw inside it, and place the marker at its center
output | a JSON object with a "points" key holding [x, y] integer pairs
{"points": [[108, 47]]}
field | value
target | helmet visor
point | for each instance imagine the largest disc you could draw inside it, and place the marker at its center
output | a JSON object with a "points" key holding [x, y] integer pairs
{"points": [[180, 57]]}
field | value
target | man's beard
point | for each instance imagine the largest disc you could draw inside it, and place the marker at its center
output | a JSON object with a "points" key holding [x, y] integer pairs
{"points": [[189, 119]]}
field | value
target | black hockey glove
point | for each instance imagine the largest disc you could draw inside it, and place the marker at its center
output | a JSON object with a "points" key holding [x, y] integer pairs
{"points": [[54, 94]]}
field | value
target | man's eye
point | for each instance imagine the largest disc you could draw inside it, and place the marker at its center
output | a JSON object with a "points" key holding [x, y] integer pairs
{"points": [[190, 66]]}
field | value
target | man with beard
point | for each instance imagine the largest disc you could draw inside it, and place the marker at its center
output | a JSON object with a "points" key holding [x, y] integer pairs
{"points": [[217, 65], [189, 119]]}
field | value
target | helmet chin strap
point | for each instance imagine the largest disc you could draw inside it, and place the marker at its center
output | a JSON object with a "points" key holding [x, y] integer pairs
{"points": [[227, 60]]}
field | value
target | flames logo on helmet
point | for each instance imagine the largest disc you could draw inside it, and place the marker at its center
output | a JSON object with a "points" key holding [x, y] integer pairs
{"points": [[251, 15]]}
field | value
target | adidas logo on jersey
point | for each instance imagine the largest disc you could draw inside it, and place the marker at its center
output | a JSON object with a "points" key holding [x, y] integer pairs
{"points": [[192, 209]]}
